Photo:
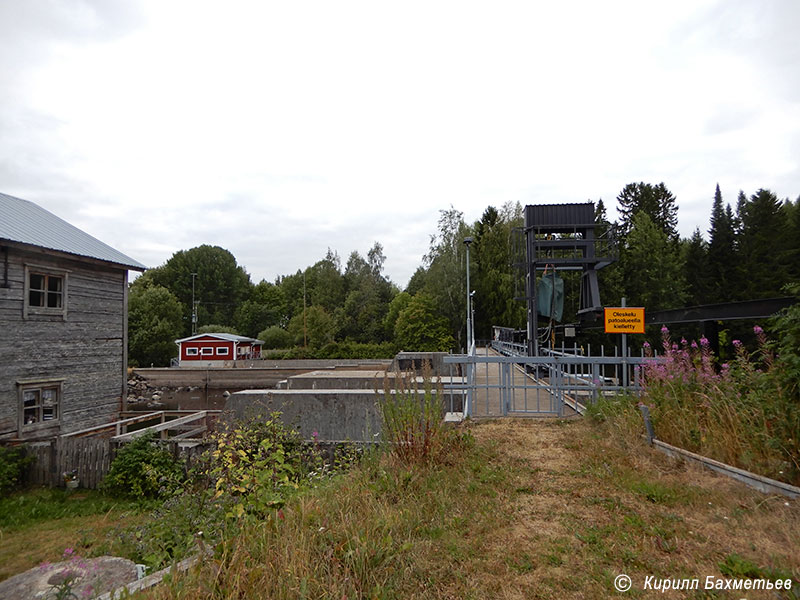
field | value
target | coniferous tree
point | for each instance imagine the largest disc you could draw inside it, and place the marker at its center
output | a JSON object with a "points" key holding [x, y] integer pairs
{"points": [[696, 271], [656, 201], [721, 252], [792, 215], [763, 246], [652, 267]]}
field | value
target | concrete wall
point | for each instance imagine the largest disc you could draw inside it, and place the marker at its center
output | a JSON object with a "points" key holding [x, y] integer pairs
{"points": [[333, 414]]}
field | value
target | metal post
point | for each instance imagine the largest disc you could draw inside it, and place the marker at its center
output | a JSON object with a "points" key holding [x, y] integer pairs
{"points": [[624, 353], [467, 242]]}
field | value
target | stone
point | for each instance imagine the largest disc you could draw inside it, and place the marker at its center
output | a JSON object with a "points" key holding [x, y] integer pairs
{"points": [[95, 576]]}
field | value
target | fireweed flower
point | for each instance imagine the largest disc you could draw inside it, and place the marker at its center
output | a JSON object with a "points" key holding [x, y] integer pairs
{"points": [[694, 345], [737, 344], [757, 330], [704, 342]]}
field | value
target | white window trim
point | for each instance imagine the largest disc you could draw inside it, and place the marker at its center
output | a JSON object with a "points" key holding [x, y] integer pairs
{"points": [[222, 351], [40, 384], [207, 351], [29, 311], [191, 351]]}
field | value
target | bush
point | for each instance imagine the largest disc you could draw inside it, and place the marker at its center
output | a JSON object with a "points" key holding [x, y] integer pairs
{"points": [[142, 469], [257, 463], [275, 337], [12, 463]]}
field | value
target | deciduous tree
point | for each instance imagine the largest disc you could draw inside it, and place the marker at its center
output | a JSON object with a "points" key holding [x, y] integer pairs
{"points": [[155, 321]]}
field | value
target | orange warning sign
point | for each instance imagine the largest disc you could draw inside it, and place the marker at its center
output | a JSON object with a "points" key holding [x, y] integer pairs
{"points": [[624, 320]]}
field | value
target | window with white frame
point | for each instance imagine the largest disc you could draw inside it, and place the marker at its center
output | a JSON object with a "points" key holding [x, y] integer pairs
{"points": [[45, 291], [40, 402], [207, 351], [191, 351], [222, 351]]}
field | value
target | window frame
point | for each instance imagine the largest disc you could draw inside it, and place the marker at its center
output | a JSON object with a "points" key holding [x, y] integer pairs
{"points": [[48, 273], [192, 351], [207, 351], [222, 351], [40, 385]]}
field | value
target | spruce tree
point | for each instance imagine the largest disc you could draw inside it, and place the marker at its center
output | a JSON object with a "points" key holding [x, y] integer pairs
{"points": [[721, 252], [695, 269], [656, 201], [763, 246]]}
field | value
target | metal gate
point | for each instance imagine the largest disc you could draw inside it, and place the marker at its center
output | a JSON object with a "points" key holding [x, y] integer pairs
{"points": [[556, 385]]}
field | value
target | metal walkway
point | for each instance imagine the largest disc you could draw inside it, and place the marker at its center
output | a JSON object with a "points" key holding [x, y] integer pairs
{"points": [[558, 385]]}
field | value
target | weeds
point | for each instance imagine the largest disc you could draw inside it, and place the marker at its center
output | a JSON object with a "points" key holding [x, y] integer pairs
{"points": [[743, 412], [739, 413], [412, 419]]}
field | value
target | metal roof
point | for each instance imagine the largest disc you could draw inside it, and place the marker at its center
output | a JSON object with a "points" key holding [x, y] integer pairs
{"points": [[223, 336], [27, 223]]}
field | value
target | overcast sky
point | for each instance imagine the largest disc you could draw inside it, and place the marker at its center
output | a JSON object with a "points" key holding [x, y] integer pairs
{"points": [[279, 129]]}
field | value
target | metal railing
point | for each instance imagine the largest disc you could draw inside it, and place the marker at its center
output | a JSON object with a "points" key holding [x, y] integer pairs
{"points": [[553, 384]]}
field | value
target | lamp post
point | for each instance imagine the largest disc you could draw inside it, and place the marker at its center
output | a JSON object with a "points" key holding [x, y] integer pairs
{"points": [[467, 242]]}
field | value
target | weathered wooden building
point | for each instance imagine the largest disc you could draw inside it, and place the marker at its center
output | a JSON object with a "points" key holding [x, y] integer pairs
{"points": [[63, 324]]}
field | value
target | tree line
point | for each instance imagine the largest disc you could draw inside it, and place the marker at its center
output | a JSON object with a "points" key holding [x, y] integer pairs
{"points": [[352, 310]]}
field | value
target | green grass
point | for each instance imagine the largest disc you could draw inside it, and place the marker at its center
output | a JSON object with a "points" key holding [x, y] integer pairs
{"points": [[36, 505], [527, 510], [38, 524]]}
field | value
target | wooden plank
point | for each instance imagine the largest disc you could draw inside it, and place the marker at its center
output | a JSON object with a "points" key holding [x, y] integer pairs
{"points": [[189, 434], [126, 437], [128, 421]]}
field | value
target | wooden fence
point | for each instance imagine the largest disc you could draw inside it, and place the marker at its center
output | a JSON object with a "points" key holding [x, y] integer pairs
{"points": [[90, 456]]}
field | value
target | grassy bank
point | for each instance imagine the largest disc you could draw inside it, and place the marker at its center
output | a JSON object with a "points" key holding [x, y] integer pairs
{"points": [[529, 510]]}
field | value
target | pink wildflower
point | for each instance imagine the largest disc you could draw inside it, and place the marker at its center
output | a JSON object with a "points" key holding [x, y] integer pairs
{"points": [[68, 552], [664, 329], [757, 330], [694, 345], [646, 344], [704, 341], [737, 343]]}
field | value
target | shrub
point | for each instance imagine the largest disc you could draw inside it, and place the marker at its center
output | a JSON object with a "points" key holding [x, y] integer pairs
{"points": [[143, 469], [12, 463], [275, 337], [257, 462]]}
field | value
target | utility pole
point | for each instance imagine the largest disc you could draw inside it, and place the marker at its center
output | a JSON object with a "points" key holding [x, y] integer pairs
{"points": [[305, 333], [194, 307]]}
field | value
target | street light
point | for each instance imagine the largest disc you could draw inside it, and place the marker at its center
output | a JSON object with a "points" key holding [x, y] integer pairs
{"points": [[467, 242]]}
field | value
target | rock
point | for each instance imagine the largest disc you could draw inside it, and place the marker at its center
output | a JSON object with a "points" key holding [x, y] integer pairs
{"points": [[95, 576]]}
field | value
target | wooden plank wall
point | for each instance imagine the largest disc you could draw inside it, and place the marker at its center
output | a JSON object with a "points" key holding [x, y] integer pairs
{"points": [[91, 456]]}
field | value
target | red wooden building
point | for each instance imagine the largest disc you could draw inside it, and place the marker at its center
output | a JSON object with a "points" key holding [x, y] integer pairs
{"points": [[214, 349]]}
